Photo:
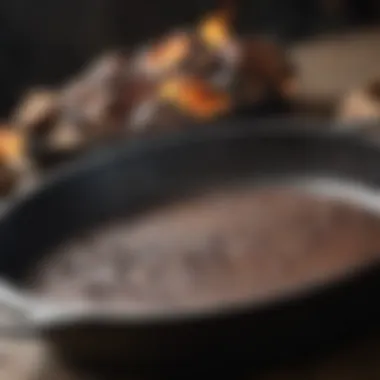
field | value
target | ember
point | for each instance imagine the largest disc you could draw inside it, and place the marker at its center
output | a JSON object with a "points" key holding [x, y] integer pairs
{"points": [[195, 97], [215, 30]]}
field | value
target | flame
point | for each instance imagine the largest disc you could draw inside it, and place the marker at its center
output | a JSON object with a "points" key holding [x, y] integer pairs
{"points": [[195, 97], [169, 53], [12, 145], [215, 29]]}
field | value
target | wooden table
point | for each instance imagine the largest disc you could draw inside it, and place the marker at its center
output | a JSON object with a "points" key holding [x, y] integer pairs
{"points": [[29, 360]]}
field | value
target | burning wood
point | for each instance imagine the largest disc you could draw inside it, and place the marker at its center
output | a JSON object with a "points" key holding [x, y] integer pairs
{"points": [[13, 158], [38, 108], [195, 74], [168, 54], [195, 97], [12, 146], [216, 30]]}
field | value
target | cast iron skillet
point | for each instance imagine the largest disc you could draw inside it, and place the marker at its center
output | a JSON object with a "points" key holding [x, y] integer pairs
{"points": [[128, 178]]}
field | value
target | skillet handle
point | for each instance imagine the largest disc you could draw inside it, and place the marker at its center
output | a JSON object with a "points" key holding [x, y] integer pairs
{"points": [[15, 312]]}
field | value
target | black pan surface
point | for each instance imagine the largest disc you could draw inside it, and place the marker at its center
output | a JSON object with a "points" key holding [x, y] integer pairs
{"points": [[127, 178]]}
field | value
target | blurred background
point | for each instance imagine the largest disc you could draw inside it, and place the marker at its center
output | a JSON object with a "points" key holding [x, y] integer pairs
{"points": [[44, 41]]}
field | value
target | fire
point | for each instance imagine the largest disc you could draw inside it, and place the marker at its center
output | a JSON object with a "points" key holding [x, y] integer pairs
{"points": [[215, 30], [12, 145], [195, 97], [169, 52]]}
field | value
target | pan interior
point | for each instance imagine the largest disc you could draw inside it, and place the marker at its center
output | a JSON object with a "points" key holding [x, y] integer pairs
{"points": [[218, 247]]}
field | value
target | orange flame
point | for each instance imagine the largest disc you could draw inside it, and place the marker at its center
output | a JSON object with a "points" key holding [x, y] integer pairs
{"points": [[215, 30], [12, 145], [195, 97], [169, 52]]}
